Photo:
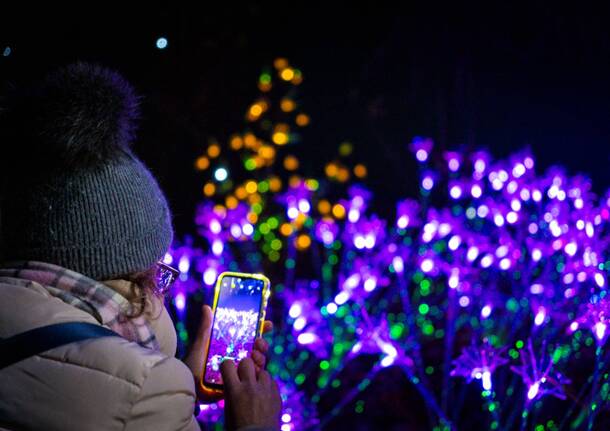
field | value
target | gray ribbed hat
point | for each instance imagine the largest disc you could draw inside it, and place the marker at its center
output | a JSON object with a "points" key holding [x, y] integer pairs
{"points": [[76, 195]]}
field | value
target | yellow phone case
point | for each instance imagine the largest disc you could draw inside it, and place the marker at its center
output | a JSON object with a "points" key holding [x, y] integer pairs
{"points": [[211, 391]]}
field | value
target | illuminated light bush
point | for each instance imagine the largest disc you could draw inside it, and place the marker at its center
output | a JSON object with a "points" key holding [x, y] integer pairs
{"points": [[500, 289]]}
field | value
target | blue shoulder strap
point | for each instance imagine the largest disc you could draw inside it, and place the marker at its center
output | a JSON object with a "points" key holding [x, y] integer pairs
{"points": [[38, 340]]}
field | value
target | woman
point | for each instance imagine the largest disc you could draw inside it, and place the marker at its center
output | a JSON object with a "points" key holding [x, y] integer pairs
{"points": [[83, 224]]}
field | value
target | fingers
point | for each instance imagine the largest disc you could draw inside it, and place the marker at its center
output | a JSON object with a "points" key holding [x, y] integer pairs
{"points": [[259, 359], [246, 370], [229, 374], [261, 345], [267, 326], [264, 378], [258, 353]]}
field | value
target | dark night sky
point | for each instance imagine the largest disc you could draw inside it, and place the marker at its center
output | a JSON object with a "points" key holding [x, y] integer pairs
{"points": [[502, 76]]}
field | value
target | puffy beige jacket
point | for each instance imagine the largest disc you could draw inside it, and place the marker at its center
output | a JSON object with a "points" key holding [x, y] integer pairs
{"points": [[100, 384]]}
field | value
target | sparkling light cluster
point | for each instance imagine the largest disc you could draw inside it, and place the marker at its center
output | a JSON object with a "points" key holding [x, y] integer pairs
{"points": [[495, 273]]}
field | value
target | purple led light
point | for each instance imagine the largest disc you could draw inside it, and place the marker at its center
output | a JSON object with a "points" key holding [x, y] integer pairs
{"points": [[421, 155], [180, 301], [427, 183]]}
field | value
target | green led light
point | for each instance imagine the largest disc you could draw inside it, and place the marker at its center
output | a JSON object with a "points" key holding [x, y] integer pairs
{"points": [[494, 340], [299, 379], [338, 349], [250, 164], [264, 228], [327, 273], [263, 187], [273, 222], [423, 309], [273, 368], [519, 344], [184, 336], [276, 244], [265, 78], [322, 381], [439, 247], [359, 408], [324, 365], [274, 256], [396, 331], [428, 328], [512, 305]]}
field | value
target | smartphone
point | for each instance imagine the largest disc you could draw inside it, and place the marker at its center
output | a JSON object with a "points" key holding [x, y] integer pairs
{"points": [[239, 307]]}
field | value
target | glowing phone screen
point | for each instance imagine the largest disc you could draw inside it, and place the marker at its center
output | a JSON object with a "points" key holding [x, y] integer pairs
{"points": [[235, 324]]}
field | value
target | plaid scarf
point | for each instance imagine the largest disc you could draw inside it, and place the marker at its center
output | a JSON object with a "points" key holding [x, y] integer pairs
{"points": [[109, 307]]}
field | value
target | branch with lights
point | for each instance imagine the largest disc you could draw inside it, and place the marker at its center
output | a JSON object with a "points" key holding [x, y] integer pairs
{"points": [[503, 267]]}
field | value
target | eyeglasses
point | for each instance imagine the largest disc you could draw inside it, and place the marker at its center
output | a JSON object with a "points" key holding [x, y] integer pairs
{"points": [[166, 275]]}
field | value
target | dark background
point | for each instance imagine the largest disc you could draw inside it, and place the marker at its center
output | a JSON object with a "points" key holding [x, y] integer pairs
{"points": [[502, 76]]}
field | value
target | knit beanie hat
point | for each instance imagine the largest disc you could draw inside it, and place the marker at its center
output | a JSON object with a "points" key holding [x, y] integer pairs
{"points": [[72, 193]]}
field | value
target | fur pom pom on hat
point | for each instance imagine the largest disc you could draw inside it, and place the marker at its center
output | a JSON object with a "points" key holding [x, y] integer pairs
{"points": [[78, 116], [73, 193]]}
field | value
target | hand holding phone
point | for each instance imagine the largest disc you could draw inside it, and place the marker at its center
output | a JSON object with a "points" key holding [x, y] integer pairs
{"points": [[239, 312]]}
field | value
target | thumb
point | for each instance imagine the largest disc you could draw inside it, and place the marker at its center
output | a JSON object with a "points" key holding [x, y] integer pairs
{"points": [[196, 357]]}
